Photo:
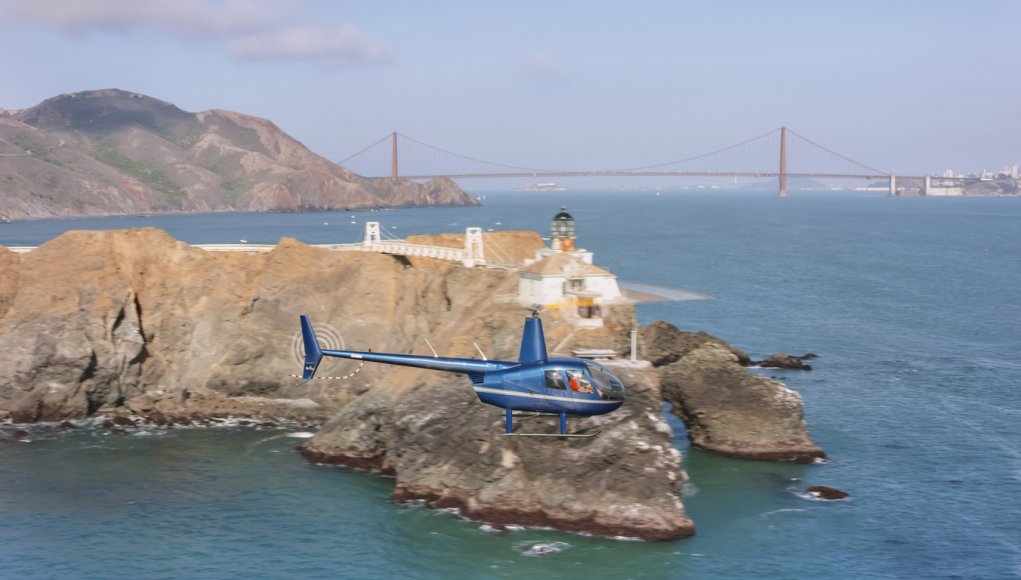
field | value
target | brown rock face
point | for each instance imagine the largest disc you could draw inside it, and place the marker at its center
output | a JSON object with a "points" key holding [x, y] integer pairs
{"points": [[730, 411], [664, 343], [136, 319]]}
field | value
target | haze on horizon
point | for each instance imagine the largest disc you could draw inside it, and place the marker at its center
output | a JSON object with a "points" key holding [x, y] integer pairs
{"points": [[908, 87]]}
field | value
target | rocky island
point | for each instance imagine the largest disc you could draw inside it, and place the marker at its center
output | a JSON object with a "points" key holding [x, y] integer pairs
{"points": [[136, 326], [116, 152]]}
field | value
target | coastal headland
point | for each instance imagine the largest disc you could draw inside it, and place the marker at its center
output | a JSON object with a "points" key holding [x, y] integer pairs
{"points": [[113, 152], [136, 326]]}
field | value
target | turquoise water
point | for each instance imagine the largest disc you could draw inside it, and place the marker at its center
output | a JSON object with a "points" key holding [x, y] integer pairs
{"points": [[912, 305]]}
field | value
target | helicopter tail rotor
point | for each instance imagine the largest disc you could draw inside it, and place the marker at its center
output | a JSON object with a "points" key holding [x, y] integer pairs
{"points": [[313, 354]]}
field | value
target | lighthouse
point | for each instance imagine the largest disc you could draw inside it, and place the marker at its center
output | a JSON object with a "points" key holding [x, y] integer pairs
{"points": [[563, 276], [562, 231]]}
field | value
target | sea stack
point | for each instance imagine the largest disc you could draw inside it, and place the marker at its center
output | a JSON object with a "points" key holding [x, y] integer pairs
{"points": [[730, 411]]}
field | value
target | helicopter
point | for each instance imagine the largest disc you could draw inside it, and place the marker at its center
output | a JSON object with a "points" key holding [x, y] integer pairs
{"points": [[534, 383]]}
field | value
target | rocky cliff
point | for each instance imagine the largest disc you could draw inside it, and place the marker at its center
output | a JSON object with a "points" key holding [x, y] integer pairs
{"points": [[115, 152], [137, 323]]}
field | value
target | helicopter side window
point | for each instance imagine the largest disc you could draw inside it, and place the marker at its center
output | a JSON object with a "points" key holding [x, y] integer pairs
{"points": [[555, 380]]}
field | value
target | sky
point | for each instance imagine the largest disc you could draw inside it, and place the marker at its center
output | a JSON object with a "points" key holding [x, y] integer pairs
{"points": [[909, 87]]}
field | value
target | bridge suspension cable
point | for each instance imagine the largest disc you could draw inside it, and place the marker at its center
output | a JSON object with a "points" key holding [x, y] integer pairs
{"points": [[350, 157], [702, 156], [835, 154], [472, 159], [754, 157]]}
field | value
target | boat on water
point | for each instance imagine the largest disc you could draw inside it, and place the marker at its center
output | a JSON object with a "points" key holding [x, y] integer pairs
{"points": [[547, 186]]}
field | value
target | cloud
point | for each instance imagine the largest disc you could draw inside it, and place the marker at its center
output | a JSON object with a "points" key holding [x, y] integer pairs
{"points": [[251, 29], [344, 44], [186, 18]]}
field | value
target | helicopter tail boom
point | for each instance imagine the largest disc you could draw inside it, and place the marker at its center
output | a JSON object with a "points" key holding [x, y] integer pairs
{"points": [[314, 355]]}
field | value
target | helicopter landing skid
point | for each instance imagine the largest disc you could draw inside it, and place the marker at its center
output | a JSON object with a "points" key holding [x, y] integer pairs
{"points": [[592, 434], [563, 425]]}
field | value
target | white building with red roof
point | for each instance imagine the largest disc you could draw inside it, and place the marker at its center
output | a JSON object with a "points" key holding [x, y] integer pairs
{"points": [[563, 276]]}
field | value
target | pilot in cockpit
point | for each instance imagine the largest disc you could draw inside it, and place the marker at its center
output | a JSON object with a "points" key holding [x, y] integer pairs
{"points": [[578, 382]]}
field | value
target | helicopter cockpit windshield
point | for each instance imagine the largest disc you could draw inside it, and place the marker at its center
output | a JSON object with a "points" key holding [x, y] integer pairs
{"points": [[607, 384]]}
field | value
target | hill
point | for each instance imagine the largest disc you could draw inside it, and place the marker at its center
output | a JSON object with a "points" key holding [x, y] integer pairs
{"points": [[116, 152]]}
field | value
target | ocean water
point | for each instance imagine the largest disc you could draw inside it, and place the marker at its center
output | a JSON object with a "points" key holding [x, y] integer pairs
{"points": [[912, 304]]}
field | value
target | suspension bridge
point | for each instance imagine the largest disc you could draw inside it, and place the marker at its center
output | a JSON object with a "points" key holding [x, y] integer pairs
{"points": [[781, 153]]}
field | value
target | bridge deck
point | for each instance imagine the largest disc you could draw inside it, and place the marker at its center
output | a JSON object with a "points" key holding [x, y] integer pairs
{"points": [[393, 247]]}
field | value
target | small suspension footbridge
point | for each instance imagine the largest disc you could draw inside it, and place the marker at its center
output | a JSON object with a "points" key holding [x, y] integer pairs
{"points": [[782, 154], [378, 240]]}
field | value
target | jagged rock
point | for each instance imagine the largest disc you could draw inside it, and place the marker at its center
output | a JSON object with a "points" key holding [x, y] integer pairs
{"points": [[444, 447], [784, 361], [663, 343], [730, 411], [826, 492]]}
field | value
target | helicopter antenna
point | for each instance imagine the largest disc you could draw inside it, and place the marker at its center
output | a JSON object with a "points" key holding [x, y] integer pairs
{"points": [[535, 308], [480, 351], [432, 349]]}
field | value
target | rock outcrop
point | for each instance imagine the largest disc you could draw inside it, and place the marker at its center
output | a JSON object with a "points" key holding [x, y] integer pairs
{"points": [[782, 360], [730, 411], [446, 449], [663, 344], [135, 325], [115, 152], [826, 492]]}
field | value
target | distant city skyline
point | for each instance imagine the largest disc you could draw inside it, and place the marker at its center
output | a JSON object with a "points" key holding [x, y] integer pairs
{"points": [[907, 87]]}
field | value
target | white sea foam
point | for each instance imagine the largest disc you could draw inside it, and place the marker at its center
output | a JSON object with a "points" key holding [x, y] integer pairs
{"points": [[785, 510], [533, 549], [300, 434], [816, 497]]}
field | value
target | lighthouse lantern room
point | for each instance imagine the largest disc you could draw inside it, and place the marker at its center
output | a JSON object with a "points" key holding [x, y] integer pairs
{"points": [[562, 231]]}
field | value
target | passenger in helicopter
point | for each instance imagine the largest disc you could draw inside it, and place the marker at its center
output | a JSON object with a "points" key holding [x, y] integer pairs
{"points": [[578, 382]]}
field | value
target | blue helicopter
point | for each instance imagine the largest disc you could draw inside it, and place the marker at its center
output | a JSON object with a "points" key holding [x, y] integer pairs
{"points": [[534, 383]]}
